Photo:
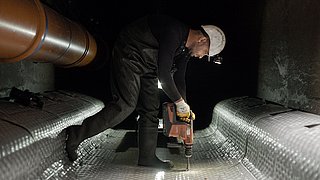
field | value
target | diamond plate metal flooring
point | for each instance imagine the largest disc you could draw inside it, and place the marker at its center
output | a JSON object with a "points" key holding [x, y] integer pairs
{"points": [[113, 155], [247, 139]]}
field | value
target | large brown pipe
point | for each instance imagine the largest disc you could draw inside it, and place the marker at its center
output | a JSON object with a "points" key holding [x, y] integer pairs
{"points": [[29, 30]]}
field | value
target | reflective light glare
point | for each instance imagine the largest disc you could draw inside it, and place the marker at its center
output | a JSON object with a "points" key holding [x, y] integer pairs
{"points": [[160, 125], [59, 42], [32, 32], [159, 85], [159, 175], [16, 28]]}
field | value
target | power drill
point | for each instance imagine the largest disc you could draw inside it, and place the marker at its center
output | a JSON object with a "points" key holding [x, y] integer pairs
{"points": [[173, 126]]}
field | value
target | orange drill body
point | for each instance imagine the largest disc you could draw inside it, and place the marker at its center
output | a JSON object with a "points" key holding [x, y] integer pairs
{"points": [[173, 127]]}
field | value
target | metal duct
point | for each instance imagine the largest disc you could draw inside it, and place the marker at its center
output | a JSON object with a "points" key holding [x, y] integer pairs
{"points": [[29, 30]]}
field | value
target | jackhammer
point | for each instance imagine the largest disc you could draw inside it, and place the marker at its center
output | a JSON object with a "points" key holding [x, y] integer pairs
{"points": [[173, 126]]}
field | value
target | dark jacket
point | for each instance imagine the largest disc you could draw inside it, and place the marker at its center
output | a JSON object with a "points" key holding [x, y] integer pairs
{"points": [[157, 42]]}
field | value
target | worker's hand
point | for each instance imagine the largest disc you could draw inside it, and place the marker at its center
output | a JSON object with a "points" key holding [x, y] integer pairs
{"points": [[183, 111], [191, 117], [182, 108]]}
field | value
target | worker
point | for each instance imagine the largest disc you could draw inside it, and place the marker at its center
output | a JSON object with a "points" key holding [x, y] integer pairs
{"points": [[152, 48]]}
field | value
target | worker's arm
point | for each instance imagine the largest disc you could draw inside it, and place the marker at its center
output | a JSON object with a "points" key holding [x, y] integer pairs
{"points": [[183, 109], [179, 75], [171, 36], [167, 48]]}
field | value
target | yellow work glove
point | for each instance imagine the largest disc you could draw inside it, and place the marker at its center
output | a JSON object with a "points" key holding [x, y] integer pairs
{"points": [[183, 111], [192, 116], [188, 119]]}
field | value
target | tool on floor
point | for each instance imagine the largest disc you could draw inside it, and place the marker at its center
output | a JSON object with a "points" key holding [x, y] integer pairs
{"points": [[26, 98], [173, 126]]}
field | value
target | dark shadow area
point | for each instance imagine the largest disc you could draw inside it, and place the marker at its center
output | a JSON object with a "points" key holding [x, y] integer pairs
{"points": [[207, 83], [130, 140]]}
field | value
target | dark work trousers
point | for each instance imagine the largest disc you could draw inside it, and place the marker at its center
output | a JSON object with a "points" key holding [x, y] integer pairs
{"points": [[134, 86]]}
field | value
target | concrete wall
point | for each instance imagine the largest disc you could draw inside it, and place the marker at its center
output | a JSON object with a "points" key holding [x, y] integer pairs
{"points": [[36, 77], [289, 64]]}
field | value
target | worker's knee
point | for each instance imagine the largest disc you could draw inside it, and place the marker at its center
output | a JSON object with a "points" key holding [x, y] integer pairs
{"points": [[149, 118]]}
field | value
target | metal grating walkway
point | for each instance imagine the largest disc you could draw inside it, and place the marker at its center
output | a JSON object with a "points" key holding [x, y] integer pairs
{"points": [[247, 139], [114, 156]]}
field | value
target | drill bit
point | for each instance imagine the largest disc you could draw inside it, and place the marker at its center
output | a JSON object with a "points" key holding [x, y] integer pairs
{"points": [[188, 154], [188, 163]]}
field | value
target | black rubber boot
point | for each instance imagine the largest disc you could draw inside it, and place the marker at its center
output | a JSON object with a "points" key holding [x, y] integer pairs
{"points": [[72, 142], [147, 141]]}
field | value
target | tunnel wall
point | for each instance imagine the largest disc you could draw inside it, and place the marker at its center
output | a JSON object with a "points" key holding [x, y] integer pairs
{"points": [[289, 64], [36, 77], [281, 143]]}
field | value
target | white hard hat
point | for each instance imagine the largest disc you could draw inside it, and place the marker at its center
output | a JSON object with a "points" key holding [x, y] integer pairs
{"points": [[217, 39]]}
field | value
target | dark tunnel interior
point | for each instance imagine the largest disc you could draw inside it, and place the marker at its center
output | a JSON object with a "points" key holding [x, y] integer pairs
{"points": [[207, 83], [257, 113]]}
